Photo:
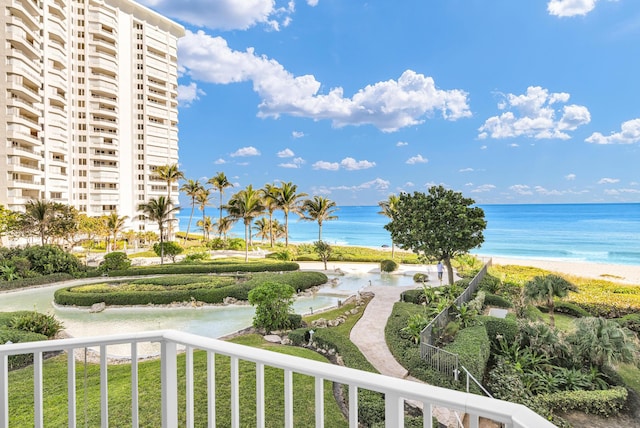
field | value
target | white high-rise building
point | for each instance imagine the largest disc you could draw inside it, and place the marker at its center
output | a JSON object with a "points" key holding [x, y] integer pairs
{"points": [[89, 104]]}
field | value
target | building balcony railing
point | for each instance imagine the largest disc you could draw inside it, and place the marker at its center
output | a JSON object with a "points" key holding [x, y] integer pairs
{"points": [[396, 391]]}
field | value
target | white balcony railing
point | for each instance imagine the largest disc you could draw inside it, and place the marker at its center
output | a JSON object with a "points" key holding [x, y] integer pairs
{"points": [[396, 391]]}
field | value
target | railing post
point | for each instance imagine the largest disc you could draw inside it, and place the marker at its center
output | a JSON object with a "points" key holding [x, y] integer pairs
{"points": [[393, 410], [38, 416], [169, 367], [4, 391], [71, 388]]}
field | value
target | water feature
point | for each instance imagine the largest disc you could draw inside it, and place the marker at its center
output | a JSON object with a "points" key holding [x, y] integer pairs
{"points": [[209, 321]]}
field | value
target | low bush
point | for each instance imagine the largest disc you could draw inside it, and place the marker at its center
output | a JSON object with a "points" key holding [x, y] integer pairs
{"points": [[601, 402], [506, 328], [631, 321], [568, 308], [18, 336], [497, 301], [31, 282], [214, 266], [115, 261], [48, 259], [196, 257], [168, 249], [420, 277], [388, 266], [472, 345], [412, 296], [36, 322]]}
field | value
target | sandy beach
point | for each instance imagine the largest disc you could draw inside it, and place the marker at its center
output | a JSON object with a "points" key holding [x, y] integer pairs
{"points": [[626, 274]]}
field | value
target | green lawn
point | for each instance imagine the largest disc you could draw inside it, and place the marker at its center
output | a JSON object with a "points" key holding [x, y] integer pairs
{"points": [[563, 322], [88, 401]]}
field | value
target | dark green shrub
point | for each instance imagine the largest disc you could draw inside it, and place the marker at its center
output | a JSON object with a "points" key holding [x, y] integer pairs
{"points": [[299, 336], [412, 296], [472, 345], [294, 321], [39, 280], [236, 244], [532, 313], [115, 261], [495, 300], [569, 309], [490, 284], [215, 244], [273, 302], [214, 266], [18, 336], [388, 266], [50, 259], [22, 266], [35, 322], [168, 249], [196, 257], [420, 277], [6, 317], [604, 403], [506, 328], [631, 321]]}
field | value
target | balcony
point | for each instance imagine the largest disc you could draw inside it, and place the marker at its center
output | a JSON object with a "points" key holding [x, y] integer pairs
{"points": [[396, 391]]}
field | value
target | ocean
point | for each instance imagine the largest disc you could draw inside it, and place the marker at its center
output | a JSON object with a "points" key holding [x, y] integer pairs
{"points": [[601, 233]]}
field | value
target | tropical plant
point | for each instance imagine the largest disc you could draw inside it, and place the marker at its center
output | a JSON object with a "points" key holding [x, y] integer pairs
{"points": [[170, 174], [543, 289], [48, 219], [224, 226], [415, 324], [289, 201], [439, 226], [207, 226], [324, 251], [220, 182], [9, 222], [169, 249], [36, 322], [387, 208], [318, 209], [160, 211], [270, 202], [246, 205], [191, 188], [273, 302], [114, 225], [203, 198], [465, 315], [116, 260]]}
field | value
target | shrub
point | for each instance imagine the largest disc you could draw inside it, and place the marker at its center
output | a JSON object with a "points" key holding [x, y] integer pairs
{"points": [[506, 328], [18, 336], [490, 284], [498, 301], [115, 261], [604, 403], [196, 257], [388, 266], [569, 309], [39, 280], [420, 277], [215, 244], [273, 302], [35, 322], [299, 336], [236, 244], [168, 249], [215, 266], [631, 321], [50, 259], [412, 296]]}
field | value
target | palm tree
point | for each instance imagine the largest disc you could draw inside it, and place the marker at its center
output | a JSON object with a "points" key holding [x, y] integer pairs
{"points": [[270, 202], [263, 229], [114, 225], [545, 288], [289, 201], [191, 189], [601, 342], [202, 198], [246, 205], [170, 174], [38, 216], [225, 225], [388, 207], [206, 224], [319, 209], [220, 182], [160, 211]]}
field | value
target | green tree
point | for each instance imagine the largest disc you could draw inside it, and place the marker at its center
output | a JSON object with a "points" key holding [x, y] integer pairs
{"points": [[9, 222], [544, 289], [270, 203], [49, 220], [600, 342], [220, 182], [116, 260], [324, 251], [246, 205], [224, 226], [114, 225], [169, 249], [169, 174], [160, 211], [387, 208], [206, 224], [273, 302], [203, 197], [191, 188], [289, 201], [439, 225], [90, 228], [262, 227], [318, 209]]}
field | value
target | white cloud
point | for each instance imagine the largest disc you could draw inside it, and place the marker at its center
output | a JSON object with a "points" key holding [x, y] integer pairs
{"points": [[416, 159], [521, 189], [246, 151], [542, 191], [312, 3], [286, 153], [629, 133], [466, 170], [297, 134], [219, 161], [225, 14], [563, 8], [607, 180], [401, 144], [388, 105], [350, 164], [189, 93], [616, 192], [483, 188], [329, 166], [534, 115], [294, 164], [409, 184], [377, 184], [570, 177]]}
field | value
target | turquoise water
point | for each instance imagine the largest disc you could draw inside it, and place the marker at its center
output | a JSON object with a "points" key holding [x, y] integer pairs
{"points": [[602, 233]]}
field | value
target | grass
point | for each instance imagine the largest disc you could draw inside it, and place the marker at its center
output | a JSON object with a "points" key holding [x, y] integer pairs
{"points": [[631, 376], [55, 394], [563, 322]]}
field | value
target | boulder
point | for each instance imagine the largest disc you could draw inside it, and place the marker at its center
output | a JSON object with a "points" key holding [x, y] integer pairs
{"points": [[97, 307]]}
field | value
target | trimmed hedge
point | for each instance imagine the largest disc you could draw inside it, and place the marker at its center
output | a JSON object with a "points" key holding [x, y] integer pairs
{"points": [[18, 336], [412, 296], [472, 345], [506, 328], [211, 267], [388, 266], [568, 308], [497, 301], [180, 292], [601, 402], [38, 280], [631, 321]]}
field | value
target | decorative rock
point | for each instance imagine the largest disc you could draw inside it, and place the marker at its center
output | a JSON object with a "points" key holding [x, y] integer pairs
{"points": [[229, 300], [320, 322], [97, 307], [273, 338]]}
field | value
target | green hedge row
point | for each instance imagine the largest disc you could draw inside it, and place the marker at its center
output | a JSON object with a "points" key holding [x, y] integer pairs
{"points": [[631, 321], [18, 336], [211, 267], [38, 280], [472, 345], [506, 328], [601, 402], [497, 301], [298, 280]]}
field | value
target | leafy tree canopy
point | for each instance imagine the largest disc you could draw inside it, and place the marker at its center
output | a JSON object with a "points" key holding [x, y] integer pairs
{"points": [[439, 225]]}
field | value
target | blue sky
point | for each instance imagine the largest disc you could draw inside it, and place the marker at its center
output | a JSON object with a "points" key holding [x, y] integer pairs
{"points": [[505, 101]]}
